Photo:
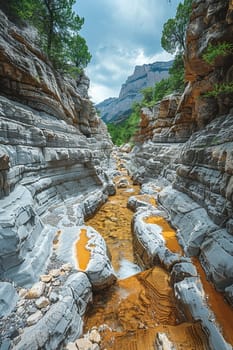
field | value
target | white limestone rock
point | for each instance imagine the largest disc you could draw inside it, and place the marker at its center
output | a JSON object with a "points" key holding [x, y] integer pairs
{"points": [[83, 344], [191, 220], [163, 343], [63, 321], [190, 298], [8, 298], [99, 269], [200, 236], [94, 336], [71, 346]]}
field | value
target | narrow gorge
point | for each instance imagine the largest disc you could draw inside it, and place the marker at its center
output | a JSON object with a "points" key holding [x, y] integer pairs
{"points": [[104, 247]]}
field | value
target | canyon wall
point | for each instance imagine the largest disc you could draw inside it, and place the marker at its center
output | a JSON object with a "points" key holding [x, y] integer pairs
{"points": [[117, 109], [190, 143], [53, 146]]}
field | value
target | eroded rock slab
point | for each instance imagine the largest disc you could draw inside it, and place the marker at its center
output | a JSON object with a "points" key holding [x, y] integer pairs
{"points": [[63, 321], [200, 236]]}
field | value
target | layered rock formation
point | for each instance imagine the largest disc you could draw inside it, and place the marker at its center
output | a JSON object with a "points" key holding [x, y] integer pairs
{"points": [[52, 142], [115, 110], [53, 155], [150, 250], [197, 135]]}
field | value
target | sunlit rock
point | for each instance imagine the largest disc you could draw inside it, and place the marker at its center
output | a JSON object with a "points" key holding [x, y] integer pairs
{"points": [[94, 336], [98, 265], [52, 147], [36, 291], [42, 302], [34, 318]]}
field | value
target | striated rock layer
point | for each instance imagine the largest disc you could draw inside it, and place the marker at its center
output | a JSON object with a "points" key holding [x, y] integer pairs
{"points": [[53, 146], [189, 142], [54, 153], [117, 109]]}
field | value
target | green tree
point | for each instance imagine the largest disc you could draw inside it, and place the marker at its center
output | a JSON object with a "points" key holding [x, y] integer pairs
{"points": [[124, 132], [174, 30], [58, 26]]}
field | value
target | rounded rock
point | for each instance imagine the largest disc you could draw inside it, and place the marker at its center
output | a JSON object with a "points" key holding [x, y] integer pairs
{"points": [[34, 318]]}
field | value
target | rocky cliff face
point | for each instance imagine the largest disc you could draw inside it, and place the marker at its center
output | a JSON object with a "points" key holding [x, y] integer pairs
{"points": [[53, 147], [203, 157], [118, 109]]}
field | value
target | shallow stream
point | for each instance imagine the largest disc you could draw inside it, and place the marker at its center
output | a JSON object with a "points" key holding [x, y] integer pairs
{"points": [[141, 305]]}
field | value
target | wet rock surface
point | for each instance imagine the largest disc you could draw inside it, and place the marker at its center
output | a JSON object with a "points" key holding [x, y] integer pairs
{"points": [[48, 191]]}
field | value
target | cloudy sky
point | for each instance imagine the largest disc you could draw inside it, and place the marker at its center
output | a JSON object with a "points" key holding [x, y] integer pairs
{"points": [[121, 34]]}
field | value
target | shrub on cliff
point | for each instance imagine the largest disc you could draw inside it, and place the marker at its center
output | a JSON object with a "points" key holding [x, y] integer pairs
{"points": [[58, 26], [174, 30]]}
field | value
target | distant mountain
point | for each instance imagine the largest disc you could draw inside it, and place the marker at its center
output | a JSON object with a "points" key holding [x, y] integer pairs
{"points": [[115, 109]]}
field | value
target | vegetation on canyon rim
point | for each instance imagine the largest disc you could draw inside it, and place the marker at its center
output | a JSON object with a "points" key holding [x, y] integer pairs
{"points": [[173, 41], [58, 29], [211, 54]]}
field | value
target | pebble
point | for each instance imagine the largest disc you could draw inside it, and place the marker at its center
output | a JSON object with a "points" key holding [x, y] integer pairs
{"points": [[32, 309], [56, 283], [66, 267], [122, 183], [34, 318], [42, 302], [46, 278], [36, 291], [20, 303], [53, 297], [95, 347], [71, 346], [22, 292], [94, 336], [20, 310], [83, 344], [55, 272]]}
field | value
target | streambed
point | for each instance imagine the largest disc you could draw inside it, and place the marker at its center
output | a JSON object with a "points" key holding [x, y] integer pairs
{"points": [[141, 307]]}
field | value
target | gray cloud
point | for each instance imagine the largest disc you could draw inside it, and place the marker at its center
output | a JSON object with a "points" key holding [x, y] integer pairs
{"points": [[121, 34]]}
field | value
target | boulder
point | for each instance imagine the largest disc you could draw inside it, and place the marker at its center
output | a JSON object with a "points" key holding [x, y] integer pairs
{"points": [[99, 268]]}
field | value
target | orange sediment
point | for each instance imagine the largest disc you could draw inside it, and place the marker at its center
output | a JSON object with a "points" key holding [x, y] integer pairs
{"points": [[139, 307], [221, 309], [82, 254], [168, 233], [113, 222]]}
